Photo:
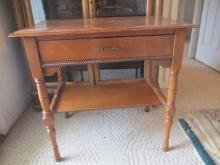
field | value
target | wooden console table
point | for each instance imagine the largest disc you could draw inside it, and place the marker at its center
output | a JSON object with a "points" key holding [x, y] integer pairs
{"points": [[52, 45]]}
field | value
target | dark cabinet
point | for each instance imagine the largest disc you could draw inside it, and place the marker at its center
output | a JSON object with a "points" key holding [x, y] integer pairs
{"points": [[112, 8], [56, 9]]}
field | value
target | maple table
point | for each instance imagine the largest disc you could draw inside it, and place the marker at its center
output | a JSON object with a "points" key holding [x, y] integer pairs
{"points": [[54, 44]]}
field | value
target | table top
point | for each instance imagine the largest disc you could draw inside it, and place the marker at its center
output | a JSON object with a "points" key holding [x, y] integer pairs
{"points": [[101, 25]]}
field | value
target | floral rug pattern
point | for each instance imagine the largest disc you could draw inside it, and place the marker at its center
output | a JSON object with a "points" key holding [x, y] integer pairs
{"points": [[206, 126]]}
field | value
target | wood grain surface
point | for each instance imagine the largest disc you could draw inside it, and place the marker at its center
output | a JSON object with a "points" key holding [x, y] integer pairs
{"points": [[105, 48], [77, 98], [101, 25]]}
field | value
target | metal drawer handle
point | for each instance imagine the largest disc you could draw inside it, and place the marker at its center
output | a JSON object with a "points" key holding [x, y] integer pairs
{"points": [[110, 48]]}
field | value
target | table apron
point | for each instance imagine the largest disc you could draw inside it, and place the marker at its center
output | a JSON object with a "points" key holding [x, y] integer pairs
{"points": [[129, 48]]}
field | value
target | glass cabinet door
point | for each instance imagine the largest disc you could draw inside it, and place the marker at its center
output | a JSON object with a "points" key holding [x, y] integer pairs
{"points": [[111, 8], [63, 9]]}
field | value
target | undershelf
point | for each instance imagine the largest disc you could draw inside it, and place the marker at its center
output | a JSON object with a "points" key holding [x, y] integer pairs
{"points": [[77, 98]]}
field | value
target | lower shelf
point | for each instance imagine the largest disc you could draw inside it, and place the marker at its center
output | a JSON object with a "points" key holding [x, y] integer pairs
{"points": [[77, 98]]}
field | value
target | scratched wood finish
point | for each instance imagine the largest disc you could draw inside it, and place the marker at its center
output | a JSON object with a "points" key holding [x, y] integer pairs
{"points": [[105, 48]]}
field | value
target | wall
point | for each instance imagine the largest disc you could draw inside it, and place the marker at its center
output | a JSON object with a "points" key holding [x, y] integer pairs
{"points": [[189, 10], [15, 84], [195, 32]]}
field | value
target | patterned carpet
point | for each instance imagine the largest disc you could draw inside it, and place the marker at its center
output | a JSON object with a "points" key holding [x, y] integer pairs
{"points": [[119, 137], [115, 137], [205, 125]]}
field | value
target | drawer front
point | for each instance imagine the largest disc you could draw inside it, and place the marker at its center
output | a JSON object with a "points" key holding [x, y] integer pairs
{"points": [[105, 48]]}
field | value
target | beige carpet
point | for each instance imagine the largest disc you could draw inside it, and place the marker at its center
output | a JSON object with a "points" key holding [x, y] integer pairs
{"points": [[116, 137]]}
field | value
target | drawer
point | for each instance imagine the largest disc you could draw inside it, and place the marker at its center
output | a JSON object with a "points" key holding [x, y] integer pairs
{"points": [[105, 48]]}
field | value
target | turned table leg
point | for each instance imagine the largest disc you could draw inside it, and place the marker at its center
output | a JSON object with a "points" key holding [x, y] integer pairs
{"points": [[48, 117], [170, 108], [37, 73]]}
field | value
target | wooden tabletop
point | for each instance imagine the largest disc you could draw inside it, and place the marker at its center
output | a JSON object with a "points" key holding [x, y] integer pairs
{"points": [[99, 25]]}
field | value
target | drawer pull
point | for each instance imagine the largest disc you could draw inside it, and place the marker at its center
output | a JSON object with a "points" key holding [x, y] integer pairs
{"points": [[111, 48]]}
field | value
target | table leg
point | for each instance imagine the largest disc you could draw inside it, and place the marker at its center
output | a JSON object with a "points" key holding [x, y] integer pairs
{"points": [[37, 73], [91, 74], [48, 119], [48, 116], [170, 108]]}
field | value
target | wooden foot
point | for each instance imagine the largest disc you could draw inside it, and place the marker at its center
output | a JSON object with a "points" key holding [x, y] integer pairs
{"points": [[169, 113], [68, 115], [48, 119], [147, 109], [154, 106], [170, 109]]}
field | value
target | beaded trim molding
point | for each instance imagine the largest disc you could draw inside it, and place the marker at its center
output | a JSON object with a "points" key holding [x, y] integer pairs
{"points": [[68, 63]]}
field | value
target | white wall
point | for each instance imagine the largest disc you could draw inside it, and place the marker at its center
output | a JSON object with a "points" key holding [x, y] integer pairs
{"points": [[195, 32], [15, 84]]}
